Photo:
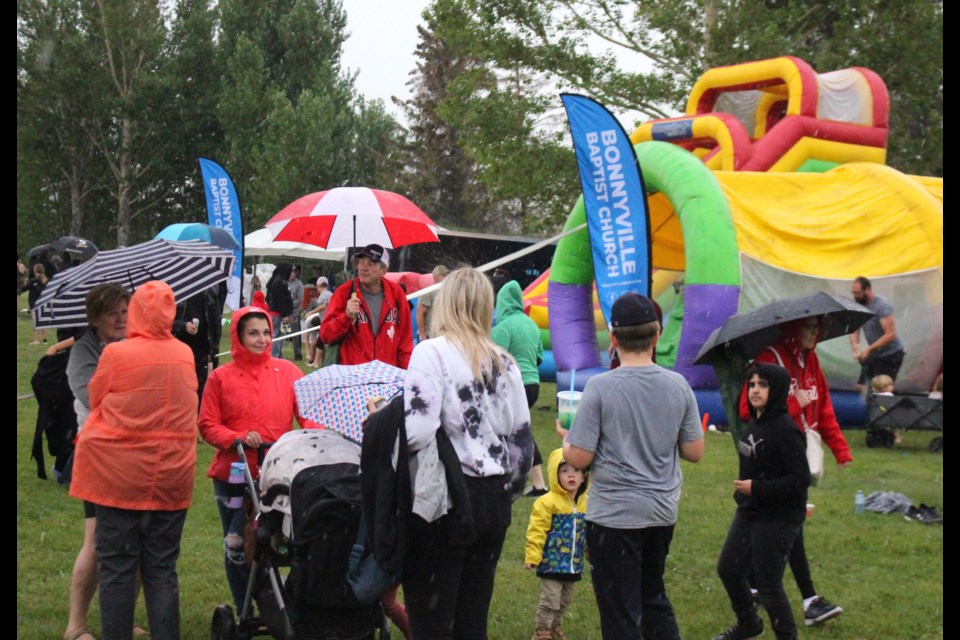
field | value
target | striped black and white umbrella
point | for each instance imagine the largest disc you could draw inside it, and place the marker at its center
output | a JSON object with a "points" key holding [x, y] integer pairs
{"points": [[188, 267]]}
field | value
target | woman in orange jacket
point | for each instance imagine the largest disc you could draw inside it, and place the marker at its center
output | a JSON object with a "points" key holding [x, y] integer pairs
{"points": [[135, 461]]}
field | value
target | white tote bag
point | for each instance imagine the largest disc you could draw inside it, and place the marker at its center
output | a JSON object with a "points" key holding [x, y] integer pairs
{"points": [[814, 455]]}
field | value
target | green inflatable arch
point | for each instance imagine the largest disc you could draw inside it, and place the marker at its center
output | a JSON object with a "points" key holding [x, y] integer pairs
{"points": [[712, 277]]}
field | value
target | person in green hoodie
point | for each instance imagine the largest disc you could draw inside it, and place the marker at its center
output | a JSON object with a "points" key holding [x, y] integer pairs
{"points": [[519, 335]]}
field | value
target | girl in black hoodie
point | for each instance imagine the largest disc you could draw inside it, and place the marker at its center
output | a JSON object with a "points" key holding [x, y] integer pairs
{"points": [[771, 496]]}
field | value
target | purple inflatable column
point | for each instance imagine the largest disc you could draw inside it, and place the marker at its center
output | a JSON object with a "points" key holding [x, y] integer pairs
{"points": [[705, 308], [573, 332]]}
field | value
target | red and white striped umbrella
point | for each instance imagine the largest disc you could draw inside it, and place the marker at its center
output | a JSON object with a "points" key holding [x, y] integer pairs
{"points": [[353, 217]]}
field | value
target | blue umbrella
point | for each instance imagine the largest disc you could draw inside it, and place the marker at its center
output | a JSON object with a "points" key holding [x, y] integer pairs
{"points": [[199, 231]]}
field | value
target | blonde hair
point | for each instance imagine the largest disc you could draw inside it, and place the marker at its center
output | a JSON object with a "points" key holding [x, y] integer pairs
{"points": [[880, 383], [463, 313]]}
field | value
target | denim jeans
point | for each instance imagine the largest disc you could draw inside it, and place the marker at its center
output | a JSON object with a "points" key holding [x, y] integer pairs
{"points": [[627, 566], [234, 560], [126, 539], [763, 546], [276, 349], [447, 589]]}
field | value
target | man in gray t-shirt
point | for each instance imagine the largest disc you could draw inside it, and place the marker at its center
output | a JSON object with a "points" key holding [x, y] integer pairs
{"points": [[632, 427], [884, 352]]}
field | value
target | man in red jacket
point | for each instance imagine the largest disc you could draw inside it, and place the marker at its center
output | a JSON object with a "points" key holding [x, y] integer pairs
{"points": [[369, 316]]}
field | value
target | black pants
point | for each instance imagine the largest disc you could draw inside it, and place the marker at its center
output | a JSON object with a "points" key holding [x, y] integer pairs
{"points": [[888, 365], [627, 567], [764, 547], [149, 540], [533, 392], [800, 568], [447, 589]]}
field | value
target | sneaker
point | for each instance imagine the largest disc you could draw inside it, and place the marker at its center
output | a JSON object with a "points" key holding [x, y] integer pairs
{"points": [[532, 492], [820, 610], [924, 514], [740, 631], [930, 514]]}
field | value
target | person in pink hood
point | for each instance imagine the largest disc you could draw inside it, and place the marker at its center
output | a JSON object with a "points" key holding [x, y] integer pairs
{"points": [[135, 460], [250, 400], [809, 405]]}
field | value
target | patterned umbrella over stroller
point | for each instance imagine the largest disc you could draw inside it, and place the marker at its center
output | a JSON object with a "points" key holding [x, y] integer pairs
{"points": [[336, 396]]}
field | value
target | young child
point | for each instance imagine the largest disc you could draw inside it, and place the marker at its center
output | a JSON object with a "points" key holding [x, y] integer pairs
{"points": [[882, 385], [771, 497], [556, 542]]}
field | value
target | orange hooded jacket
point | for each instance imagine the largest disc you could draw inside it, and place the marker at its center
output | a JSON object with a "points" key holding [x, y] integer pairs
{"points": [[138, 448]]}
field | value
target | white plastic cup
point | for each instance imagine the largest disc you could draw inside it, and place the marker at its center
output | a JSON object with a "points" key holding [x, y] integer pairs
{"points": [[567, 403], [810, 507]]}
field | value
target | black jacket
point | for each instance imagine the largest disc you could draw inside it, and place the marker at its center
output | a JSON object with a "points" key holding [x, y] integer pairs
{"points": [[773, 454], [386, 494], [55, 415], [278, 292]]}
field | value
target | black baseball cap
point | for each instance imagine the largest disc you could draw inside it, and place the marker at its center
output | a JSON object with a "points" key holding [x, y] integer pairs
{"points": [[376, 253], [632, 309]]}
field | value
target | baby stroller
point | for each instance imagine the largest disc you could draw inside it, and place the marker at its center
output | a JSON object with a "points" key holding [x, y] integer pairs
{"points": [[307, 517]]}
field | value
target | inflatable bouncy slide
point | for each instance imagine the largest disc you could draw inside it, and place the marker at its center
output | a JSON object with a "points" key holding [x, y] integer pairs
{"points": [[773, 184]]}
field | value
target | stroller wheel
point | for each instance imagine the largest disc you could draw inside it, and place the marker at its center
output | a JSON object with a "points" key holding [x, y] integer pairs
{"points": [[223, 625]]}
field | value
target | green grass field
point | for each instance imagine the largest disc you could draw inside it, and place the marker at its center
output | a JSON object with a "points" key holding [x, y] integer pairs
{"points": [[886, 572]]}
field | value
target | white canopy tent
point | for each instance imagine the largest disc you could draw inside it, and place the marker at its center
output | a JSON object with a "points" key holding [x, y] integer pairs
{"points": [[261, 243]]}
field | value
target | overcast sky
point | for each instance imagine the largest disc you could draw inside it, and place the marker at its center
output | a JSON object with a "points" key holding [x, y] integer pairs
{"points": [[383, 38]]}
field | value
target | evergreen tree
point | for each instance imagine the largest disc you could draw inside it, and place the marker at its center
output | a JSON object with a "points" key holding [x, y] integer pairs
{"points": [[483, 154], [440, 172], [291, 120], [59, 169], [194, 71]]}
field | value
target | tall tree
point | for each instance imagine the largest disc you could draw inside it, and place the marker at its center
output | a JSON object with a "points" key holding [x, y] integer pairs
{"points": [[377, 156], [440, 171], [289, 114], [652, 52], [193, 76], [483, 153], [130, 36], [59, 167]]}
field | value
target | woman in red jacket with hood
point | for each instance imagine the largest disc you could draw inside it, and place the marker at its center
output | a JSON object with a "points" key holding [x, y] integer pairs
{"points": [[809, 405], [249, 399]]}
